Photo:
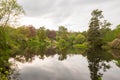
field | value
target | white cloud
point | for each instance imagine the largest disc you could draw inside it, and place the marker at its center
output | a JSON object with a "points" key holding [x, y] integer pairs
{"points": [[37, 22], [74, 14]]}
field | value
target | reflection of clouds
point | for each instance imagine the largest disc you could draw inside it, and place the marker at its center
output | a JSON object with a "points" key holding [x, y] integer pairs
{"points": [[73, 68], [112, 73], [32, 73], [52, 69]]}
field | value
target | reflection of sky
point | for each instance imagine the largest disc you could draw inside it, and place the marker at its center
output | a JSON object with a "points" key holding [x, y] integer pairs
{"points": [[73, 68], [113, 73]]}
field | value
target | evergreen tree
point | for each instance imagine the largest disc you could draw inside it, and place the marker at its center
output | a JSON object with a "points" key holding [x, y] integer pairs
{"points": [[94, 36], [98, 29]]}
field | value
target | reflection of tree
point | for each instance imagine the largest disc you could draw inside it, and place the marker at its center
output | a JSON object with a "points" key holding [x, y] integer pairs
{"points": [[62, 54], [96, 61], [28, 55]]}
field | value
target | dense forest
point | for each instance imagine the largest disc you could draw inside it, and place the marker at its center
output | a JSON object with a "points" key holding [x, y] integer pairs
{"points": [[15, 40]]}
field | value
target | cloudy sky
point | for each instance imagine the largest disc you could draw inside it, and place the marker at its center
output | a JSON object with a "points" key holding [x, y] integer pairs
{"points": [[74, 14]]}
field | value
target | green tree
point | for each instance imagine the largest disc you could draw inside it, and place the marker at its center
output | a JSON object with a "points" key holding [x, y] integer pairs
{"points": [[62, 44], [9, 10], [79, 39], [71, 40], [41, 33], [62, 32], [112, 34], [97, 29]]}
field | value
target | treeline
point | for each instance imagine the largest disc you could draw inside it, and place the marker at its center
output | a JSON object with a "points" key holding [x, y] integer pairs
{"points": [[98, 35], [29, 37]]}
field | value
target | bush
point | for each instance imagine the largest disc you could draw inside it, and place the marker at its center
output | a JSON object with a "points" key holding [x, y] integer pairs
{"points": [[81, 46], [62, 44]]}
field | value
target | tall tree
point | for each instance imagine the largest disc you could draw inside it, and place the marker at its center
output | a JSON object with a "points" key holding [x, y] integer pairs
{"points": [[9, 10], [62, 32], [96, 29], [41, 33]]}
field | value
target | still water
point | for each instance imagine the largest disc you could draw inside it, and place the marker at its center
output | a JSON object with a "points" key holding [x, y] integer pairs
{"points": [[95, 66]]}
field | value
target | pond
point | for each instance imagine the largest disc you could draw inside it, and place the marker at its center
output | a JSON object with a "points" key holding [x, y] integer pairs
{"points": [[90, 65]]}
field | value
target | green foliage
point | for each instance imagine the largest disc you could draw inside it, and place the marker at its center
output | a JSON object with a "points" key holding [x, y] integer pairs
{"points": [[62, 32], [3, 74], [118, 63], [94, 36], [71, 40], [97, 29], [62, 44], [9, 11], [4, 66], [79, 39], [112, 34], [81, 46], [41, 34], [2, 39]]}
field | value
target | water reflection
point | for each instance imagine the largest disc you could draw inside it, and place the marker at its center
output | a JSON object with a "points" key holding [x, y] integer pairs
{"points": [[97, 61], [52, 69], [68, 64], [27, 55]]}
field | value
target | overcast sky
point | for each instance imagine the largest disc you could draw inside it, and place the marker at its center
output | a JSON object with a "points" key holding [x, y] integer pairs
{"points": [[73, 14]]}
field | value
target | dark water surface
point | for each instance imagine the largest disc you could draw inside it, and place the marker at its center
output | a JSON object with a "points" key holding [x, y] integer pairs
{"points": [[95, 66]]}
